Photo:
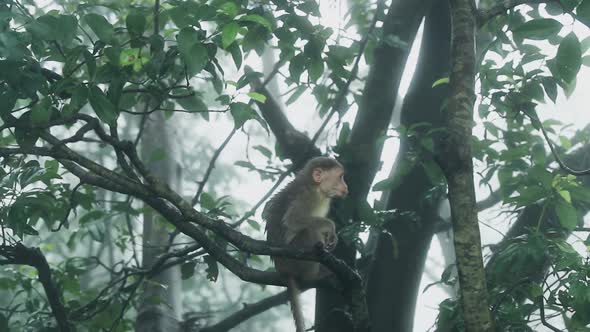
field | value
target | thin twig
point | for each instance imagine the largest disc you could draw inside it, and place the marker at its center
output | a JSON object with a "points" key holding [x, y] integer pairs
{"points": [[265, 197], [561, 163], [212, 165], [543, 320]]}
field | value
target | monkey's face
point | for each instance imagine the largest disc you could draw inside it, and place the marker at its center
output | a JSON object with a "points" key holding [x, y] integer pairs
{"points": [[331, 182]]}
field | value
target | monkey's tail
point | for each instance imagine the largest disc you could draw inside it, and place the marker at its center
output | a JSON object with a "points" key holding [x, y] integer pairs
{"points": [[295, 304]]}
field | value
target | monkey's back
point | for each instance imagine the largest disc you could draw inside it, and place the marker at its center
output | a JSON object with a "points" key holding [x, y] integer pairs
{"points": [[275, 210]]}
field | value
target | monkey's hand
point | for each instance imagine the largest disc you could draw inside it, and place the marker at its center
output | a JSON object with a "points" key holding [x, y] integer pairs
{"points": [[330, 240]]}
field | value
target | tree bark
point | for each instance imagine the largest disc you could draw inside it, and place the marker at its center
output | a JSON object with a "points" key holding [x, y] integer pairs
{"points": [[362, 153], [394, 279], [160, 302], [456, 161]]}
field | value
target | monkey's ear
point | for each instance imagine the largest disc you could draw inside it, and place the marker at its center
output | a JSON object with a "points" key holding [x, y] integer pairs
{"points": [[317, 175]]}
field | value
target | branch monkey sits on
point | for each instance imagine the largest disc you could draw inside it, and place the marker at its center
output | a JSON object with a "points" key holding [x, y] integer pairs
{"points": [[297, 216]]}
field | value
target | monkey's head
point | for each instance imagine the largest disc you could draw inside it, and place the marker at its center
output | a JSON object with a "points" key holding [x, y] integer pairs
{"points": [[328, 175]]}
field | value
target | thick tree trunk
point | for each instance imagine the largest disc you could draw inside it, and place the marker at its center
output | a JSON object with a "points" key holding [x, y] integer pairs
{"points": [[394, 279], [456, 161], [160, 303], [362, 153]]}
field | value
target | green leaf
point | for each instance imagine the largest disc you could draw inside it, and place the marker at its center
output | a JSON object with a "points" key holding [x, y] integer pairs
{"points": [[583, 9], [257, 96], [296, 66], [230, 9], [266, 152], [257, 19], [565, 195], [311, 7], [193, 103], [245, 164], [569, 58], [187, 270], [298, 92], [101, 27], [566, 213], [135, 23], [67, 26], [253, 224], [316, 69], [61, 28], [192, 51], [241, 113], [586, 60], [207, 201], [229, 33], [25, 137], [444, 80], [538, 29], [550, 88], [236, 54], [91, 216], [212, 268], [102, 106], [565, 142], [41, 112]]}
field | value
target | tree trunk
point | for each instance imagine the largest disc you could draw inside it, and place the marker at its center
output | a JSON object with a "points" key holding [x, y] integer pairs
{"points": [[362, 153], [160, 302], [457, 163], [394, 279]]}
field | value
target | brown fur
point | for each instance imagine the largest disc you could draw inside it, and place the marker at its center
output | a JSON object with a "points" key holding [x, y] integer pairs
{"points": [[297, 216]]}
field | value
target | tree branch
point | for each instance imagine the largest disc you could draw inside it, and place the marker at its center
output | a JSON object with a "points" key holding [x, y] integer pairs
{"points": [[212, 165], [296, 145], [19, 254], [249, 311], [537, 123], [484, 16]]}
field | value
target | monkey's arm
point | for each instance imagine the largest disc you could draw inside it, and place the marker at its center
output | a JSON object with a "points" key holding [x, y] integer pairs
{"points": [[296, 219]]}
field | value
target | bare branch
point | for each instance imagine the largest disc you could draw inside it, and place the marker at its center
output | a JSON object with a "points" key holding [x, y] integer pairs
{"points": [[212, 165], [249, 311]]}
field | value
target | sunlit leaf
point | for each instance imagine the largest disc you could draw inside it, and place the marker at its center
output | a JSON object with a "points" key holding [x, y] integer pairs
{"points": [[440, 81], [229, 33], [566, 213], [257, 96], [569, 58]]}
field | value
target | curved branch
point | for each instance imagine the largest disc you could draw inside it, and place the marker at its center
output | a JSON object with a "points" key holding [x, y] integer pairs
{"points": [[19, 254], [296, 145], [249, 311], [561, 163]]}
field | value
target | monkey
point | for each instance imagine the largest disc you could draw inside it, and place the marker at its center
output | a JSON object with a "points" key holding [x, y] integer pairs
{"points": [[296, 216]]}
